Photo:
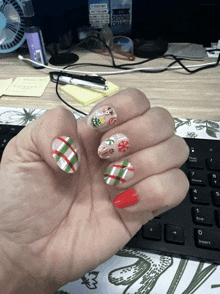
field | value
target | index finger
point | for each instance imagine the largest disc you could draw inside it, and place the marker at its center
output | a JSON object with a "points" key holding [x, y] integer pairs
{"points": [[117, 109]]}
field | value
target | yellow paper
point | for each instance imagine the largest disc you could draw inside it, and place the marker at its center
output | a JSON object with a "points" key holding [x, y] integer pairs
{"points": [[87, 96], [28, 86], [4, 84]]}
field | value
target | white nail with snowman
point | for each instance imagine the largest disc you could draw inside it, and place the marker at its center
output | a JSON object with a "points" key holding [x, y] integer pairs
{"points": [[103, 118]]}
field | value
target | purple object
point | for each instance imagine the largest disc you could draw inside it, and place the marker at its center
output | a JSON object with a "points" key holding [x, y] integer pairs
{"points": [[36, 45]]}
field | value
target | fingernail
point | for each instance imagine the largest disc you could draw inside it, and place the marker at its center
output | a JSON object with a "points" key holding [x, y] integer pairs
{"points": [[65, 154], [103, 118], [126, 198], [120, 172], [114, 146]]}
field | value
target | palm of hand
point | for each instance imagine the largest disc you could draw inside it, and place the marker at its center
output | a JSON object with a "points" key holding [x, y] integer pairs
{"points": [[67, 223], [55, 226]]}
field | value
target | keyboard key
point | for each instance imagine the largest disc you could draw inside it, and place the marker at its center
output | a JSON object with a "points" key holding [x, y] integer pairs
{"points": [[199, 196], [192, 151], [3, 144], [152, 230], [197, 178], [194, 163], [209, 239], [217, 218], [216, 197], [13, 131], [213, 164], [214, 180], [174, 234], [203, 216]]}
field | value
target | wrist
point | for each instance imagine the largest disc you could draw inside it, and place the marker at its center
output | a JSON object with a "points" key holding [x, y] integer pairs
{"points": [[14, 280]]}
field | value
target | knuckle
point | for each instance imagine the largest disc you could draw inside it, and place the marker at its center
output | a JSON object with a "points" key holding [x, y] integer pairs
{"points": [[61, 112], [181, 148], [170, 189], [184, 148], [164, 116], [134, 92], [137, 95], [181, 187], [158, 188]]}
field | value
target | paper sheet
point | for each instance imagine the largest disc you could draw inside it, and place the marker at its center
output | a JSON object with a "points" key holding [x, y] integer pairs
{"points": [[28, 86], [4, 84]]}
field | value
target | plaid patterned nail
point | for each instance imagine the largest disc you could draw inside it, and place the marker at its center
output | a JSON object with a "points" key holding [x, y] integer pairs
{"points": [[65, 154], [120, 172]]}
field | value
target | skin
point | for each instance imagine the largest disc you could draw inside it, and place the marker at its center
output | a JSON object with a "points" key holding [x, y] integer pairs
{"points": [[54, 226]]}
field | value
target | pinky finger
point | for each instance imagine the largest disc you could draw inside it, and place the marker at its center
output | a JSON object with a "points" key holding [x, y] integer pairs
{"points": [[155, 194]]}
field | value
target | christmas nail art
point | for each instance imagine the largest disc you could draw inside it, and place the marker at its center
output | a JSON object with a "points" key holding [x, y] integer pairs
{"points": [[120, 172], [65, 154], [103, 118], [114, 146]]}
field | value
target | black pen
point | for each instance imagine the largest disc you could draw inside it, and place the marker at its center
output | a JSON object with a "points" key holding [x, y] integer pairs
{"points": [[85, 81]]}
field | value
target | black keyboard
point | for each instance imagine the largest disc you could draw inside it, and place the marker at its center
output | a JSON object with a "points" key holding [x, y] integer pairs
{"points": [[192, 229], [7, 132]]}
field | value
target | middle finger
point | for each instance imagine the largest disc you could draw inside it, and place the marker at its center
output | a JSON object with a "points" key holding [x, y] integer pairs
{"points": [[156, 124]]}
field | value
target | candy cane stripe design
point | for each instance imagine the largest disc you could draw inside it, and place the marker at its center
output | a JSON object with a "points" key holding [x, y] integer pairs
{"points": [[65, 155], [119, 173]]}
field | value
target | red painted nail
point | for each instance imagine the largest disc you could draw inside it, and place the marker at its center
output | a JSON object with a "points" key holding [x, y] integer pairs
{"points": [[126, 198]]}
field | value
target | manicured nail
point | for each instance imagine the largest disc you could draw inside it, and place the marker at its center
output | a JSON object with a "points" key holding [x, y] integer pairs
{"points": [[103, 118], [65, 154], [114, 146], [126, 198], [120, 172]]}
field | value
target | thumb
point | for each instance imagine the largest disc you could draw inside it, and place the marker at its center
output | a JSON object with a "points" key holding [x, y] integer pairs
{"points": [[51, 138]]}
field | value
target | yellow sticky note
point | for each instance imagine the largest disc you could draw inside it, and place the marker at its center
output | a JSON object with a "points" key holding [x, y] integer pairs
{"points": [[28, 86], [87, 96], [4, 84]]}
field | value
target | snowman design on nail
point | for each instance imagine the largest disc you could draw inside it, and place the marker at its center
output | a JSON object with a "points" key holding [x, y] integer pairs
{"points": [[103, 117]]}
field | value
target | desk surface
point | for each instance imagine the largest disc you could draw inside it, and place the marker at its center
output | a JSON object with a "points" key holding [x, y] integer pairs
{"points": [[194, 96]]}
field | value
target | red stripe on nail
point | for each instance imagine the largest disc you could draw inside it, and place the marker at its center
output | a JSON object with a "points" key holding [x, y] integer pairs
{"points": [[115, 178], [65, 158], [125, 167], [64, 141]]}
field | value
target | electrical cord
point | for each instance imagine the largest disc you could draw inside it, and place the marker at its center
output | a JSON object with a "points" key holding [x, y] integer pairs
{"points": [[119, 71], [73, 108], [127, 69], [198, 69], [176, 60], [57, 82]]}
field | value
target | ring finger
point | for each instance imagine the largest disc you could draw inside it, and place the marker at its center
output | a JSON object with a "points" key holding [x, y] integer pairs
{"points": [[132, 169]]}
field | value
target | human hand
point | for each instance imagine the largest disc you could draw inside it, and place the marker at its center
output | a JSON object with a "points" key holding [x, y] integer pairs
{"points": [[57, 225]]}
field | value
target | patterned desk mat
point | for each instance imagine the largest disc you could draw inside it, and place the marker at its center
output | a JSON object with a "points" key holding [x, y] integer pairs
{"points": [[133, 271]]}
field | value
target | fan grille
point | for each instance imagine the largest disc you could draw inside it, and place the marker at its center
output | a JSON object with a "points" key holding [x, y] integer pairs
{"points": [[12, 20]]}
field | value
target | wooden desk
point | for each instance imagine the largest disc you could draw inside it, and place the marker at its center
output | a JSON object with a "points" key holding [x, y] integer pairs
{"points": [[185, 96]]}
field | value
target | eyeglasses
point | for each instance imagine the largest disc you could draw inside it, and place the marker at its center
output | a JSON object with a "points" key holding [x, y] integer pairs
{"points": [[121, 47]]}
